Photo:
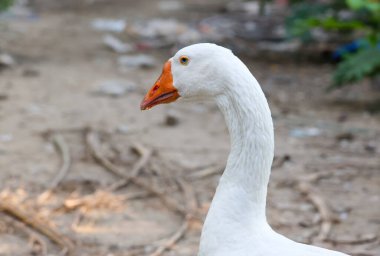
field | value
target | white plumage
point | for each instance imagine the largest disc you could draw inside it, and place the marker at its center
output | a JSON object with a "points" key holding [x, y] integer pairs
{"points": [[236, 223]]}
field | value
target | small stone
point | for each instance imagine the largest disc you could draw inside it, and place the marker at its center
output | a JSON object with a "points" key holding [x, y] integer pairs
{"points": [[6, 60], [123, 128], [171, 119], [3, 97], [111, 25], [115, 88], [7, 137], [30, 73], [347, 136], [137, 61], [342, 117], [116, 44], [170, 5], [370, 147], [303, 132]]}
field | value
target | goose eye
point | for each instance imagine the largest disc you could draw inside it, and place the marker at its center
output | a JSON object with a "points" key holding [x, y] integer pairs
{"points": [[184, 60]]}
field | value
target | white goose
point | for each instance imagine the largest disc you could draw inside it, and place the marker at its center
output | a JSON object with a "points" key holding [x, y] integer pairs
{"points": [[236, 224]]}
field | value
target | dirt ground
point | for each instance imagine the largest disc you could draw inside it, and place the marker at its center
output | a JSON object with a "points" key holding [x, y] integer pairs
{"points": [[330, 141]]}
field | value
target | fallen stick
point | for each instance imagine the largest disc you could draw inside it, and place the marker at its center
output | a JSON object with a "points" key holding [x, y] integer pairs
{"points": [[209, 171], [364, 253], [172, 205], [327, 218], [145, 155], [279, 161], [34, 237], [63, 149], [172, 240], [37, 225], [93, 146], [189, 195], [369, 238]]}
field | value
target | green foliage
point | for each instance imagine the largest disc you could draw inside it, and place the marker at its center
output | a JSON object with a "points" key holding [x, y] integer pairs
{"points": [[364, 63], [363, 20], [5, 4], [307, 15]]}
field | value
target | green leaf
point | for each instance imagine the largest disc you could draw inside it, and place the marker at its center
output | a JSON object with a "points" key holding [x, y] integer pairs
{"points": [[5, 4], [357, 66], [355, 4]]}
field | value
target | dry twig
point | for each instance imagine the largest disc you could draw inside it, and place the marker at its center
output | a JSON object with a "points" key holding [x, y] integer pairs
{"points": [[145, 156], [171, 241], [37, 224], [209, 171], [189, 195], [320, 204], [60, 143], [369, 238], [192, 206], [92, 143], [63, 149], [279, 161], [35, 240]]}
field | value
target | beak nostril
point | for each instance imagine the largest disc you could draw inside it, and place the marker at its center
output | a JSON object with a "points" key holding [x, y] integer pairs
{"points": [[154, 89]]}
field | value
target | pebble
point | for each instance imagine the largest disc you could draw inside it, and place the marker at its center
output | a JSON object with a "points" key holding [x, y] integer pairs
{"points": [[170, 5], [123, 128], [116, 44], [155, 28], [3, 97], [115, 88], [111, 25], [137, 61], [370, 147], [6, 60], [6, 137], [347, 136], [303, 132], [30, 73], [172, 118]]}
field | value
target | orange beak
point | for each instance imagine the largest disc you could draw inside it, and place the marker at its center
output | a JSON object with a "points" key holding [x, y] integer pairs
{"points": [[162, 91]]}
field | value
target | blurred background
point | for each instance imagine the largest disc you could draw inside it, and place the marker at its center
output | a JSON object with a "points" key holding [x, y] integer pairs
{"points": [[84, 172]]}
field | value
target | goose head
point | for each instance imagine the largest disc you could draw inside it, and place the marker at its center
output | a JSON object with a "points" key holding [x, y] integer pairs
{"points": [[194, 72]]}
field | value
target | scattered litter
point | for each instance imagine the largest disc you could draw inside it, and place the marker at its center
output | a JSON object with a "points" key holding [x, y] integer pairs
{"points": [[6, 137], [170, 5], [303, 132], [140, 60], [6, 60], [115, 88], [111, 25], [116, 44]]}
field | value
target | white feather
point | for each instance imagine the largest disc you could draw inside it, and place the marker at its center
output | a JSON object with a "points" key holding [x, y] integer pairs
{"points": [[236, 223]]}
